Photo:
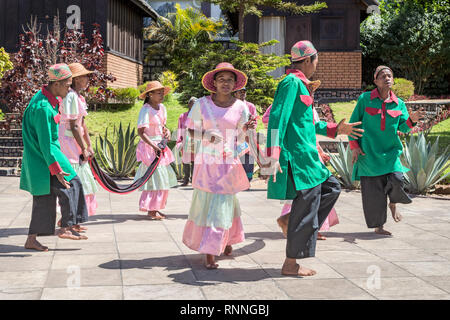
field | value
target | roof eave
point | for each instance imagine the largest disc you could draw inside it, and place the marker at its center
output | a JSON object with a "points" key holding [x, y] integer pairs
{"points": [[144, 6]]}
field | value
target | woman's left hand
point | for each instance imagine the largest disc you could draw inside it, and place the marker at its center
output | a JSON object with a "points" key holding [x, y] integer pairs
{"points": [[166, 133], [250, 124]]}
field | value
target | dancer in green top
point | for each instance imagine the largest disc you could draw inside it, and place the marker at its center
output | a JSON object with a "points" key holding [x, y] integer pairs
{"points": [[376, 155], [297, 171]]}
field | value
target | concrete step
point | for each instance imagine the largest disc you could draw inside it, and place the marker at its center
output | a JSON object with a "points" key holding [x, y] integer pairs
{"points": [[11, 151], [331, 146], [11, 162], [12, 115], [11, 132], [9, 171], [11, 142]]}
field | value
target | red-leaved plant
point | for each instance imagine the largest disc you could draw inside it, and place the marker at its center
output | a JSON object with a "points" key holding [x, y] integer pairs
{"points": [[38, 52]]}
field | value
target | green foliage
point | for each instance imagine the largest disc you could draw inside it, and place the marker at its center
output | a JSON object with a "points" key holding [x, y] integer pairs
{"points": [[343, 166], [117, 155], [5, 62], [403, 88], [247, 58], [126, 95], [425, 164], [413, 38], [254, 6], [180, 33]]}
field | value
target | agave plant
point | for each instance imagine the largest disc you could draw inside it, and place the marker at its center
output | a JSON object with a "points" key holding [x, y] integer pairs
{"points": [[117, 155], [425, 164], [342, 164]]}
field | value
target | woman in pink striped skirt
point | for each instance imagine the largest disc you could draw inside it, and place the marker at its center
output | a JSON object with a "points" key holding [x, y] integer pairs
{"points": [[152, 130]]}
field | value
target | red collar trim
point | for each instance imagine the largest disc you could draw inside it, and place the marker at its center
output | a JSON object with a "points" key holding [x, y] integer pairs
{"points": [[51, 98], [298, 74], [392, 97]]}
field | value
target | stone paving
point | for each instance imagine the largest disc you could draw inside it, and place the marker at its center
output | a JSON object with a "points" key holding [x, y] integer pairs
{"points": [[128, 256]]}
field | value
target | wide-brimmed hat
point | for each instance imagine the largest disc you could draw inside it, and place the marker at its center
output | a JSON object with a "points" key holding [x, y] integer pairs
{"points": [[152, 86], [208, 78], [58, 72], [78, 70], [301, 50]]}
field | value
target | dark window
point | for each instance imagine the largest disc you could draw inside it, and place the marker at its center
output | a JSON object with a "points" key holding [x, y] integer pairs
{"points": [[125, 30]]}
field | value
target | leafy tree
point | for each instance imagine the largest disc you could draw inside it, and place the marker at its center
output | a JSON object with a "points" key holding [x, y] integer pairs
{"points": [[247, 58], [246, 7], [185, 29], [412, 37], [5, 63], [38, 52]]}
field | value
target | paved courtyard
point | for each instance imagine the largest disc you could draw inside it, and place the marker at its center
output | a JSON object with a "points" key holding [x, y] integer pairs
{"points": [[128, 256]]}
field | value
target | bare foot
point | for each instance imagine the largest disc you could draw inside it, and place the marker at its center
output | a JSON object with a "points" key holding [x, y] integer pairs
{"points": [[156, 215], [321, 236], [283, 224], [228, 250], [382, 231], [395, 214], [70, 234], [33, 244], [78, 228], [210, 262], [296, 270]]}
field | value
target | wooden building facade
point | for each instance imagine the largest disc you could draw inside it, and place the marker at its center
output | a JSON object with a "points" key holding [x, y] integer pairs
{"points": [[121, 24], [335, 32]]}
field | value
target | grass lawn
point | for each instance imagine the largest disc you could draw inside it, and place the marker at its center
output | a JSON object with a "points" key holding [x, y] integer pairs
{"points": [[98, 121], [342, 110]]}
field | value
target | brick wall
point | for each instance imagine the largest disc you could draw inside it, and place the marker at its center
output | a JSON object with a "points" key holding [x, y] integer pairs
{"points": [[339, 70], [127, 73]]}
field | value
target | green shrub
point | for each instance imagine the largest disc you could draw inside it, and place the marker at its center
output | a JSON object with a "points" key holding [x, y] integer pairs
{"points": [[5, 63], [117, 155], [343, 166], [426, 166], [403, 88], [126, 95]]}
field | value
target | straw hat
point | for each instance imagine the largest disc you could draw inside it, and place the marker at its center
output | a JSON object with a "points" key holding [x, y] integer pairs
{"points": [[152, 86], [78, 70], [208, 78]]}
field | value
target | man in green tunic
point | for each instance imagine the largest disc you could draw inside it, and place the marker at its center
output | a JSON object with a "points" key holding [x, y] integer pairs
{"points": [[298, 173], [376, 155], [46, 172]]}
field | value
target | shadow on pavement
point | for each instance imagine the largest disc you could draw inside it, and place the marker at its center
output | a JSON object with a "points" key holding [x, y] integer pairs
{"points": [[196, 262]]}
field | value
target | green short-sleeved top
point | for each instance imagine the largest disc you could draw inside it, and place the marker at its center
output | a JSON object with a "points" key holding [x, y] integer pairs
{"points": [[291, 138], [381, 120]]}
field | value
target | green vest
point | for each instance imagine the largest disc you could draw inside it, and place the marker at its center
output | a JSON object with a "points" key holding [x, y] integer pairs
{"points": [[292, 133], [380, 141], [41, 147]]}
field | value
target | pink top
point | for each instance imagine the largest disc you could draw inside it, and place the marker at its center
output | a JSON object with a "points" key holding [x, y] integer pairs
{"points": [[217, 168], [153, 121], [184, 143], [265, 118], [73, 108], [251, 108]]}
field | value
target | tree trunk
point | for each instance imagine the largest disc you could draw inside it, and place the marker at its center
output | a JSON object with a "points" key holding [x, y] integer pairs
{"points": [[241, 20]]}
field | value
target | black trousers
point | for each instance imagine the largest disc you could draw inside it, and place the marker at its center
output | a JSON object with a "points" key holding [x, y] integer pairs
{"points": [[248, 162], [188, 169], [375, 191], [72, 202], [309, 210]]}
